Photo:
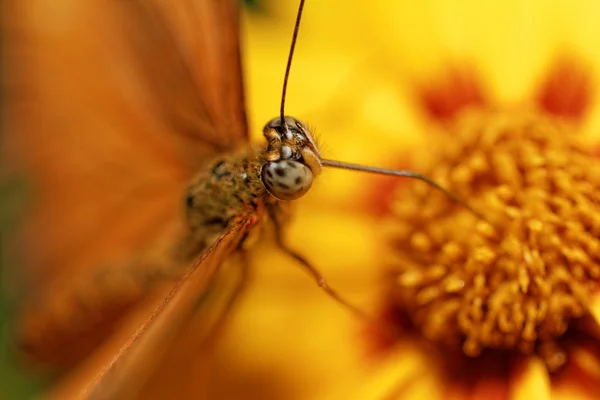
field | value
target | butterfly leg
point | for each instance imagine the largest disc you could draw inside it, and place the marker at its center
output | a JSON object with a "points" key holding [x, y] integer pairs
{"points": [[231, 302], [275, 215]]}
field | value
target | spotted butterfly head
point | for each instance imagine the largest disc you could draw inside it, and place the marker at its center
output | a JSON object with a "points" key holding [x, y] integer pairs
{"points": [[293, 158]]}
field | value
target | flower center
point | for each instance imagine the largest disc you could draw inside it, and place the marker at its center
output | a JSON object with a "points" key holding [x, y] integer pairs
{"points": [[519, 281]]}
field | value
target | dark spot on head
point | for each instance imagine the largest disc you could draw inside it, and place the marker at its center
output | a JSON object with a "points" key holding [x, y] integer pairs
{"points": [[298, 181], [291, 164], [283, 186], [280, 172], [269, 173]]}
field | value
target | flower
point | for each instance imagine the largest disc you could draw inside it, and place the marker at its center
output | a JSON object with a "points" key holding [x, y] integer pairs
{"points": [[518, 284]]}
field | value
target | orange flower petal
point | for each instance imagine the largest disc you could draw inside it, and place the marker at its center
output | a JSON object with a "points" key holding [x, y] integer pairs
{"points": [[378, 200], [530, 380], [568, 89], [444, 98], [455, 392], [490, 388]]}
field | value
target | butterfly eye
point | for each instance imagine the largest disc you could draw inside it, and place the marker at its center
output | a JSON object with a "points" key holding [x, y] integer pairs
{"points": [[286, 179]]}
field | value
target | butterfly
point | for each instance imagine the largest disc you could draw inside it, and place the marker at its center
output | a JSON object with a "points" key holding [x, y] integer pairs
{"points": [[113, 108], [127, 119]]}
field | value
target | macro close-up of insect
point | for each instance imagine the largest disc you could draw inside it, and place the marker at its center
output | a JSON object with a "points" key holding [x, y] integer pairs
{"points": [[151, 249]]}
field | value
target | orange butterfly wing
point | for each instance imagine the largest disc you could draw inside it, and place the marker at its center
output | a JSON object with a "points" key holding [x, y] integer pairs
{"points": [[111, 107], [122, 367]]}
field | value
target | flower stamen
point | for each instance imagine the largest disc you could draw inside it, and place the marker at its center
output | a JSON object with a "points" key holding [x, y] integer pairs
{"points": [[516, 285]]}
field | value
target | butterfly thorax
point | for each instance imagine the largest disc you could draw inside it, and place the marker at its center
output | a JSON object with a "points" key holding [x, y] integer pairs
{"points": [[229, 188]]}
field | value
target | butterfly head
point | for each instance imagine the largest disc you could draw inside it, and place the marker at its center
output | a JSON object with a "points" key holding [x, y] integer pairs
{"points": [[292, 159]]}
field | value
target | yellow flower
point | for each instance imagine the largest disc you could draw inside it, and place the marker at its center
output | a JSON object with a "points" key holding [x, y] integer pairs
{"points": [[520, 285], [478, 309]]}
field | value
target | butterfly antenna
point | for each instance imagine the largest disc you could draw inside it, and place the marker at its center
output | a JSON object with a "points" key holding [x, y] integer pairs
{"points": [[288, 67], [404, 173]]}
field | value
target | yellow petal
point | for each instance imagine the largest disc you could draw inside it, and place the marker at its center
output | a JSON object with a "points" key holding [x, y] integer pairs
{"points": [[509, 41], [288, 330], [424, 386], [404, 374], [531, 381]]}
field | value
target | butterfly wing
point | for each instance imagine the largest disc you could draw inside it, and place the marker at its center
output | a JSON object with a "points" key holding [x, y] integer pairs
{"points": [[204, 97], [111, 106], [122, 367]]}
